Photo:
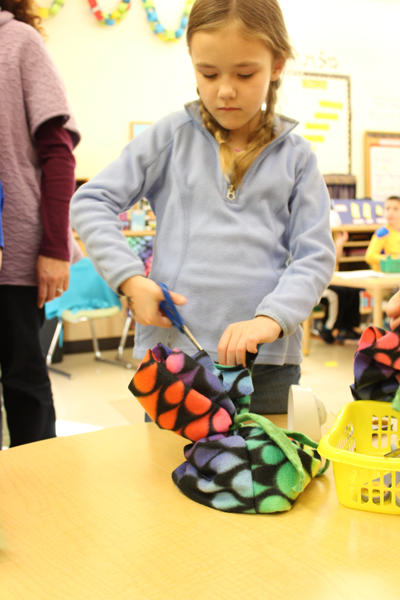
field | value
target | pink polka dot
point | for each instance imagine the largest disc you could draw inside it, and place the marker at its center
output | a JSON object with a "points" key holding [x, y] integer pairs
{"points": [[221, 420], [389, 341], [174, 362]]}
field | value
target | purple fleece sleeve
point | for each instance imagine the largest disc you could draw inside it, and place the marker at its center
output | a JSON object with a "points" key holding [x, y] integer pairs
{"points": [[57, 162]]}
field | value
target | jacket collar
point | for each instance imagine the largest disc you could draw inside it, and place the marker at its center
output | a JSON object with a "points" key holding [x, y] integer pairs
{"points": [[282, 124], [5, 16]]}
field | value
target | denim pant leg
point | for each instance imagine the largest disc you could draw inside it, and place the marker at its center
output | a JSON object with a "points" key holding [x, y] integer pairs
{"points": [[271, 387]]}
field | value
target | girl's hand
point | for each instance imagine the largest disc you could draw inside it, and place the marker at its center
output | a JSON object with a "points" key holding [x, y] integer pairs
{"points": [[245, 336], [393, 310], [144, 297]]}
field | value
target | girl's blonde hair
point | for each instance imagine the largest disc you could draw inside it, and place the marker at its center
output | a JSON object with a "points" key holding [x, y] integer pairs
{"points": [[256, 18]]}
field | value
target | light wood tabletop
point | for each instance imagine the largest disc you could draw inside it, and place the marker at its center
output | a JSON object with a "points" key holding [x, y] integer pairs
{"points": [[376, 285], [96, 516]]}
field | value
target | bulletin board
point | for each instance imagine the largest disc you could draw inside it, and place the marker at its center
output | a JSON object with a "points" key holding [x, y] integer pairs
{"points": [[382, 164], [321, 103], [359, 212]]}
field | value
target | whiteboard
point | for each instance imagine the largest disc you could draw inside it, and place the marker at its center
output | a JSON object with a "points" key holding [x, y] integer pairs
{"points": [[321, 103], [382, 165]]}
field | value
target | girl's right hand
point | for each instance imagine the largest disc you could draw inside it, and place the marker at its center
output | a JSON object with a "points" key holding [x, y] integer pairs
{"points": [[144, 297]]}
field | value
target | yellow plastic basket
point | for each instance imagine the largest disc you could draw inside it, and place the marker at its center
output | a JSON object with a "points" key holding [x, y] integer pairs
{"points": [[363, 432]]}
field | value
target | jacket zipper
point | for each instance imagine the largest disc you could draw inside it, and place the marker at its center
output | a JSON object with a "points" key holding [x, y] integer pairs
{"points": [[231, 192]]}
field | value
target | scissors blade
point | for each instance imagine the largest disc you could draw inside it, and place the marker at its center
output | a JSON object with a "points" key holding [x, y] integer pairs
{"points": [[191, 337]]}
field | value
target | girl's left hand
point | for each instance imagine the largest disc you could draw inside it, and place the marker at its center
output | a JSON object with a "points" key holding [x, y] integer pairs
{"points": [[242, 337]]}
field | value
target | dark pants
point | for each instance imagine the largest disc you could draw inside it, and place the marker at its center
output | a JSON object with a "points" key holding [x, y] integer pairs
{"points": [[271, 388], [28, 398], [348, 309]]}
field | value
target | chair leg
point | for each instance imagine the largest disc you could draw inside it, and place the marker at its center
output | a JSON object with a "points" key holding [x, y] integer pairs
{"points": [[120, 351], [98, 355], [51, 349]]}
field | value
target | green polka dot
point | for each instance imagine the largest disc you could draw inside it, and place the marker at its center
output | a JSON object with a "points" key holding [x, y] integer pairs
{"points": [[258, 488], [272, 455], [273, 504], [286, 478], [254, 444]]}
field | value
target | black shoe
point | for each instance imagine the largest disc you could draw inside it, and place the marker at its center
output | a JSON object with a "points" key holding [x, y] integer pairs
{"points": [[348, 335], [326, 335]]}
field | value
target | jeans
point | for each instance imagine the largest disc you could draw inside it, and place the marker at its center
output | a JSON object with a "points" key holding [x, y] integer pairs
{"points": [[271, 388]]}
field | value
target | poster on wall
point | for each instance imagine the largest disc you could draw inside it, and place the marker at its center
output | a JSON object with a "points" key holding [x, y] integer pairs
{"points": [[382, 164], [321, 104]]}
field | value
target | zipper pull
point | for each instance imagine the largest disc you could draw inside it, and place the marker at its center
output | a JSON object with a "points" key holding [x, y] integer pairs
{"points": [[231, 193]]}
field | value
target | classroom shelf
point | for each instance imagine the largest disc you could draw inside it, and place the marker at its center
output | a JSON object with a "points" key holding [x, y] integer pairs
{"points": [[355, 261]]}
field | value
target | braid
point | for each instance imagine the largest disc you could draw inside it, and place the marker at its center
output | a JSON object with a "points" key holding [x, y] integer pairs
{"points": [[226, 154], [271, 102], [259, 139], [234, 166]]}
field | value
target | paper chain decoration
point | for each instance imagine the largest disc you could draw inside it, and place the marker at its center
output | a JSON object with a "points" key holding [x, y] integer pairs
{"points": [[110, 18], [45, 13], [166, 35], [120, 13]]}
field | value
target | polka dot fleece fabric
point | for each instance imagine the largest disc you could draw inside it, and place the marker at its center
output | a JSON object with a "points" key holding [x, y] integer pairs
{"points": [[238, 461], [377, 366]]}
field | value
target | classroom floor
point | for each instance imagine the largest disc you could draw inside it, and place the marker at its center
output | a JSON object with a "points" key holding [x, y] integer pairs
{"points": [[97, 394]]}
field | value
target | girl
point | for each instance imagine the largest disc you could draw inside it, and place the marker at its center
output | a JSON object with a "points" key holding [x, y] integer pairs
{"points": [[243, 236]]}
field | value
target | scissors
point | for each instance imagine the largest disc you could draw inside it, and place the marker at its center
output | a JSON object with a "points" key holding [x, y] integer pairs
{"points": [[169, 308]]}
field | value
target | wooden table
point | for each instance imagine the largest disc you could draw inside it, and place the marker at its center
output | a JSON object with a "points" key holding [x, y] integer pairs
{"points": [[376, 285], [96, 517]]}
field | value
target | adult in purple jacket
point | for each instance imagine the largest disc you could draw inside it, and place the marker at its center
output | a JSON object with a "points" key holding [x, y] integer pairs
{"points": [[37, 136]]}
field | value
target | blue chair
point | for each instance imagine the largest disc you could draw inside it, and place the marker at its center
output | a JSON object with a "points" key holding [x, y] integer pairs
{"points": [[88, 298]]}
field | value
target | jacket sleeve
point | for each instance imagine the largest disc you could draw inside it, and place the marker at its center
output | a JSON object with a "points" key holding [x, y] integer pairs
{"points": [[44, 92], [54, 145], [376, 249], [95, 207], [312, 250]]}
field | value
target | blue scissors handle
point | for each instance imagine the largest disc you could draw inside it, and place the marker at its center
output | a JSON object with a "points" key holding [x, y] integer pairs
{"points": [[170, 310], [168, 307]]}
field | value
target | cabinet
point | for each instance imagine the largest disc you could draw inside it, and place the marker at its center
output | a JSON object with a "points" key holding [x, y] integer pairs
{"points": [[355, 248]]}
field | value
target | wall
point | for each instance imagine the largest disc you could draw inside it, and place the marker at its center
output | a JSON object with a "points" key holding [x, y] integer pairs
{"points": [[122, 73]]}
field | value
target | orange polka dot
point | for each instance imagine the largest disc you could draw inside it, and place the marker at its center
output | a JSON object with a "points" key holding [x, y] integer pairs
{"points": [[145, 379], [168, 419], [150, 403], [174, 393], [383, 358], [198, 429], [196, 403], [367, 338]]}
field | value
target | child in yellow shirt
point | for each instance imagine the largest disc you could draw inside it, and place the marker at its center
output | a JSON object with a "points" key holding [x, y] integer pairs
{"points": [[386, 240]]}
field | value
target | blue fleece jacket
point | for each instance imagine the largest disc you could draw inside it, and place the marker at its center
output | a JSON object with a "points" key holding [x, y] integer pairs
{"points": [[268, 251]]}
